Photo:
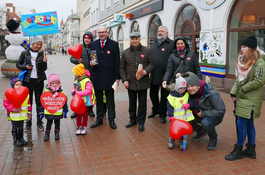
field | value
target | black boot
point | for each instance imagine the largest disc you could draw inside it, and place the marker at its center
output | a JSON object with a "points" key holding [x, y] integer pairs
{"points": [[21, 133], [250, 151], [39, 120], [90, 111], [47, 135], [56, 134], [14, 134], [18, 139], [237, 154], [73, 115]]}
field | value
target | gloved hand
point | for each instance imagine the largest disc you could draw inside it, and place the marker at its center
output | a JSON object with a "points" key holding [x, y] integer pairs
{"points": [[29, 116], [65, 113], [41, 114], [73, 93], [185, 106], [16, 110], [171, 118]]}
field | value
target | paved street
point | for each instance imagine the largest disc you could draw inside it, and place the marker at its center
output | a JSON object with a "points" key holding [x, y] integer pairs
{"points": [[122, 151]]}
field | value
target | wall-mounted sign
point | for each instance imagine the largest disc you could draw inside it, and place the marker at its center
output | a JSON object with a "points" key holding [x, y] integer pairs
{"points": [[119, 17], [112, 23], [148, 9], [209, 4], [39, 23]]}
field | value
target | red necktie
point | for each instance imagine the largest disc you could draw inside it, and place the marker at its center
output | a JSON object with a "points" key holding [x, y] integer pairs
{"points": [[102, 44]]}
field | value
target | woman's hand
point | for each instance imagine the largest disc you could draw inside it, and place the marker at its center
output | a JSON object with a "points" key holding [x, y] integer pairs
{"points": [[29, 66], [164, 84], [79, 60], [45, 58], [233, 99], [126, 84]]}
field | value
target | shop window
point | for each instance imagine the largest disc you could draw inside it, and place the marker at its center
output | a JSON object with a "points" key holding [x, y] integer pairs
{"points": [[244, 21], [135, 27], [153, 28], [188, 25], [120, 39]]}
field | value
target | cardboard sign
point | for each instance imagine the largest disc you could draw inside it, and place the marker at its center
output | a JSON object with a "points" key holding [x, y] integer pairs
{"points": [[39, 23], [17, 96], [50, 104]]}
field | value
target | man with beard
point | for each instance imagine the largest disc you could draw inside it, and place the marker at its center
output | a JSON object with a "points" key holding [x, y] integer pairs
{"points": [[161, 50]]}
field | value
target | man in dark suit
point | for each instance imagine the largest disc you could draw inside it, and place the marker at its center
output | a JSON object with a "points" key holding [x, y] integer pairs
{"points": [[161, 50], [105, 73]]}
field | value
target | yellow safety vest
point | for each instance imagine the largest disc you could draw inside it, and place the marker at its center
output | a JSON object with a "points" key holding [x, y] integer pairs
{"points": [[23, 115], [179, 113], [87, 99], [59, 112]]}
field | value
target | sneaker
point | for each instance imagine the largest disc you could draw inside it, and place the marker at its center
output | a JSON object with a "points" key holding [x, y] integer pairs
{"points": [[199, 136], [27, 128], [171, 143], [78, 130], [212, 144], [83, 131], [40, 126]]}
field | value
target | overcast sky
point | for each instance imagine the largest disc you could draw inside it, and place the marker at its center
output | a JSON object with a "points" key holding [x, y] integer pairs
{"points": [[63, 7]]}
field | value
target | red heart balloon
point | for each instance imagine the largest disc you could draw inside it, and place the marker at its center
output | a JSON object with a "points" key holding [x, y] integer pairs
{"points": [[179, 128], [77, 104], [75, 51], [50, 104], [17, 96]]}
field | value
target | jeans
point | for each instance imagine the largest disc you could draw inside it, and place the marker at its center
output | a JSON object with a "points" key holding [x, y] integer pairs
{"points": [[206, 123], [246, 128]]}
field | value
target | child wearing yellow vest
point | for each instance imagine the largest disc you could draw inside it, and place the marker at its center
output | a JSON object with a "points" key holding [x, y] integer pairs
{"points": [[18, 115], [54, 86], [178, 105], [86, 91]]}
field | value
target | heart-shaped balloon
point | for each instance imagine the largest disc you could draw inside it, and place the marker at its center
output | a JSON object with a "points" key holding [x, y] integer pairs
{"points": [[179, 128], [78, 105], [75, 51], [17, 96], [52, 104]]}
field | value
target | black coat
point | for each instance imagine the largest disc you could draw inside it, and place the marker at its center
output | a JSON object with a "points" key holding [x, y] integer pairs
{"points": [[190, 63], [129, 65], [106, 72], [161, 54], [41, 66]]}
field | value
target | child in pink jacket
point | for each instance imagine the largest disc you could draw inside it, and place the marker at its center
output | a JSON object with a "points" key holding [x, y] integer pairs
{"points": [[84, 88], [18, 115]]}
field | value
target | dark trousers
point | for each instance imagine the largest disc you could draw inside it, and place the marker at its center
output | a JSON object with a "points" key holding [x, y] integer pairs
{"points": [[17, 125], [142, 98], [206, 123], [101, 106], [159, 107], [49, 124], [37, 89]]}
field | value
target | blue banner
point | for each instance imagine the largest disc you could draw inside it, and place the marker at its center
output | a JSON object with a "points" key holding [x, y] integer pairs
{"points": [[39, 23]]}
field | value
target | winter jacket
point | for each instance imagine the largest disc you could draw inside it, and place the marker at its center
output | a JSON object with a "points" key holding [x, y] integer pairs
{"points": [[129, 65], [65, 106], [85, 54], [160, 54], [106, 72], [249, 92], [41, 66], [210, 102], [190, 62]]}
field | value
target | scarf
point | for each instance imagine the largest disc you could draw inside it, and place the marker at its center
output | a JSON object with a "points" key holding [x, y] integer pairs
{"points": [[241, 72], [182, 52]]}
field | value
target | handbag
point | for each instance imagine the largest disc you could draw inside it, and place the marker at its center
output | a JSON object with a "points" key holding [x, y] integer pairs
{"points": [[173, 77], [23, 72]]}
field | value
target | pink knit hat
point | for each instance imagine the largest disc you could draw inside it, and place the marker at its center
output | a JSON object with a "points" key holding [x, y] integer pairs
{"points": [[54, 77]]}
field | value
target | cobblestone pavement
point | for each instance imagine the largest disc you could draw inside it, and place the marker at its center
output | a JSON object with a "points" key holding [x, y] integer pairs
{"points": [[121, 151]]}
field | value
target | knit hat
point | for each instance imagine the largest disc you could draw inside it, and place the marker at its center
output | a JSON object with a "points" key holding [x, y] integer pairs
{"points": [[250, 41], [179, 82], [79, 70], [54, 77], [192, 79], [13, 81], [36, 38]]}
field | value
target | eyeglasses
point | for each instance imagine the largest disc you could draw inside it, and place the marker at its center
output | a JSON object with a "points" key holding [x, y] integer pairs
{"points": [[102, 32]]}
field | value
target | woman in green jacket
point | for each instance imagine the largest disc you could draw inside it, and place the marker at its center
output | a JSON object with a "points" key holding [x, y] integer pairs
{"points": [[247, 93]]}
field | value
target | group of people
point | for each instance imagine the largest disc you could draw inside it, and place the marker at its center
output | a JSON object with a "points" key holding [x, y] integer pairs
{"points": [[141, 68]]}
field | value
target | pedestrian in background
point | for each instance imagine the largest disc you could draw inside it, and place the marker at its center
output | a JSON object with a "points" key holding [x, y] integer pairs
{"points": [[161, 49], [85, 60], [247, 94], [132, 57], [105, 74], [35, 62], [63, 51]]}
